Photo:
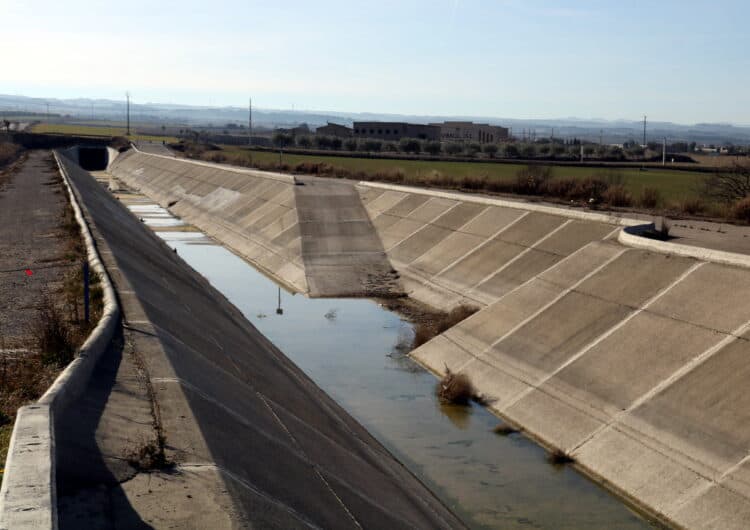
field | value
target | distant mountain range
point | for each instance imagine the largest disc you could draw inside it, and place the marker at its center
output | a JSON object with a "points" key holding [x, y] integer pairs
{"points": [[607, 131]]}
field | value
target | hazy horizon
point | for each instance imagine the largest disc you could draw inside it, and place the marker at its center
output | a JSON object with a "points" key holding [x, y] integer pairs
{"points": [[675, 62]]}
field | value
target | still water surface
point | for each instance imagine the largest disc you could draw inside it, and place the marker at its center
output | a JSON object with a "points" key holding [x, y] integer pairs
{"points": [[352, 348]]}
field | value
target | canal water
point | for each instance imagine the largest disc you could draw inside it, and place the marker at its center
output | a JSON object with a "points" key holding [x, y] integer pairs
{"points": [[355, 350]]}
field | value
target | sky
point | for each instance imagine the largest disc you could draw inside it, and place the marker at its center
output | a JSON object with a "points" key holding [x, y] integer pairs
{"points": [[680, 61]]}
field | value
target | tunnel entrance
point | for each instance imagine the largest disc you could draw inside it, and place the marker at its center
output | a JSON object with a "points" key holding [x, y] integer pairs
{"points": [[93, 158]]}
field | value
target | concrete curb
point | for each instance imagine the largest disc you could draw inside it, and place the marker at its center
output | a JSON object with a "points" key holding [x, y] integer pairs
{"points": [[225, 167], [631, 237], [553, 210], [28, 498]]}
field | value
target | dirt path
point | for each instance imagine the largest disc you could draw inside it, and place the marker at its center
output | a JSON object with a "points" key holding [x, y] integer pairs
{"points": [[31, 237]]}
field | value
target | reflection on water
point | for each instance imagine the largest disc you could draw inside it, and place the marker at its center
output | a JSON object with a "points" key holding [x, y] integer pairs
{"points": [[355, 351]]}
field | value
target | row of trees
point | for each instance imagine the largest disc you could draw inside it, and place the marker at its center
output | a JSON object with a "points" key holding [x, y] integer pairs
{"points": [[548, 149]]}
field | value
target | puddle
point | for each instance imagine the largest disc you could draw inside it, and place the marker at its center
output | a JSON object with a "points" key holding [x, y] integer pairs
{"points": [[352, 349]]}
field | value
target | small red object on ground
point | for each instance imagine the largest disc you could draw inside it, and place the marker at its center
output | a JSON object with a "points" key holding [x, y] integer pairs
{"points": [[29, 272]]}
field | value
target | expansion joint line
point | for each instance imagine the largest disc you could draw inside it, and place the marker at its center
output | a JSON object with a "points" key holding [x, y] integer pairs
{"points": [[425, 225], [522, 254], [598, 340], [315, 468], [544, 308], [688, 367], [483, 244]]}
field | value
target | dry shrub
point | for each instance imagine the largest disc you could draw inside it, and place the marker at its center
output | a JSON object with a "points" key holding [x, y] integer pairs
{"points": [[532, 179], [455, 388], [650, 198], [53, 336], [617, 196], [22, 379], [741, 210], [425, 331], [396, 175], [589, 189], [693, 206], [149, 456], [8, 152]]}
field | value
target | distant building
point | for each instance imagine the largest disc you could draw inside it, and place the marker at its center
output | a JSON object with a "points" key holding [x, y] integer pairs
{"points": [[300, 130], [386, 130], [466, 131], [334, 129]]}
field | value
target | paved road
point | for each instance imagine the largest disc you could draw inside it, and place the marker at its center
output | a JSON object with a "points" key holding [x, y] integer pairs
{"points": [[254, 441]]}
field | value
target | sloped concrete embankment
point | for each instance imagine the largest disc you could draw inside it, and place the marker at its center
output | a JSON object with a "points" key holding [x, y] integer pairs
{"points": [[254, 440], [251, 212], [632, 361]]}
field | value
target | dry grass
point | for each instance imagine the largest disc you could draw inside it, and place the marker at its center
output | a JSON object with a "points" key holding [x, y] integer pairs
{"points": [[426, 330], [149, 456], [741, 210], [650, 198], [455, 389]]}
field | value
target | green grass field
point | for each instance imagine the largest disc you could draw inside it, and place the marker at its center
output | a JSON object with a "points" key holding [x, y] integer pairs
{"points": [[91, 130], [674, 186]]}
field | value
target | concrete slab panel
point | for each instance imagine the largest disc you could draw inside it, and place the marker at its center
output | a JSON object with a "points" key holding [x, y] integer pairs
{"points": [[407, 205], [491, 220], [715, 296], [560, 331], [399, 231], [531, 229], [715, 428], [460, 215], [481, 263], [428, 211], [521, 270], [386, 201], [569, 271], [418, 244], [635, 277], [446, 252]]}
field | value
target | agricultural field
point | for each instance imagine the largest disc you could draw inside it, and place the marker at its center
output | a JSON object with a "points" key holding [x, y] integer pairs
{"points": [[95, 130], [673, 186]]}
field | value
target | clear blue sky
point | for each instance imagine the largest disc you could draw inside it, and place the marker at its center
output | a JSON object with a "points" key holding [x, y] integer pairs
{"points": [[681, 61]]}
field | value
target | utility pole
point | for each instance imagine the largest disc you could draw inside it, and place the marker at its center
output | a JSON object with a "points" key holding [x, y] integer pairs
{"points": [[664, 152], [47, 112], [644, 131], [127, 98], [601, 137], [250, 122], [552, 136]]}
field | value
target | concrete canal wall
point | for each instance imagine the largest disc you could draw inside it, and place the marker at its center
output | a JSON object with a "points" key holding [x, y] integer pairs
{"points": [[634, 361]]}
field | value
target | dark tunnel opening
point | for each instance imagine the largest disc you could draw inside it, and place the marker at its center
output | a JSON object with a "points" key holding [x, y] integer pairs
{"points": [[93, 158]]}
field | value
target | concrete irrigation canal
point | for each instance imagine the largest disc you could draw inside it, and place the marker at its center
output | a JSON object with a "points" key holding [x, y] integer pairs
{"points": [[248, 298]]}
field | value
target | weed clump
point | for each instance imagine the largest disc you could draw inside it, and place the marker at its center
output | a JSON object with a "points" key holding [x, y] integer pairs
{"points": [[455, 389], [150, 456], [741, 210], [650, 197], [424, 331], [53, 336]]}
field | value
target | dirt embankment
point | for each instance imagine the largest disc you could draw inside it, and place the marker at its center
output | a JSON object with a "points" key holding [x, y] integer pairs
{"points": [[41, 289]]}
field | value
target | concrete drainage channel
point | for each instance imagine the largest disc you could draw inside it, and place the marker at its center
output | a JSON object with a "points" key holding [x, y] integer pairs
{"points": [[355, 350], [28, 496]]}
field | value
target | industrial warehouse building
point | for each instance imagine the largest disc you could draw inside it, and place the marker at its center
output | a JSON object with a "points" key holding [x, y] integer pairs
{"points": [[334, 129], [466, 131], [386, 130]]}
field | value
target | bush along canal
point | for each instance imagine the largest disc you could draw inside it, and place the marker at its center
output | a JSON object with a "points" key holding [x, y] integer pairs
{"points": [[356, 351]]}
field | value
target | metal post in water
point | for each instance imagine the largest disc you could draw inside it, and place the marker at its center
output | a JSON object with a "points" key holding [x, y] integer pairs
{"points": [[86, 290]]}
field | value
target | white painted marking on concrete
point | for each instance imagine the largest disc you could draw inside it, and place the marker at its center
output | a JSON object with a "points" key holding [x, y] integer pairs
{"points": [[522, 253], [606, 334], [539, 311], [482, 244], [425, 225], [683, 370]]}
